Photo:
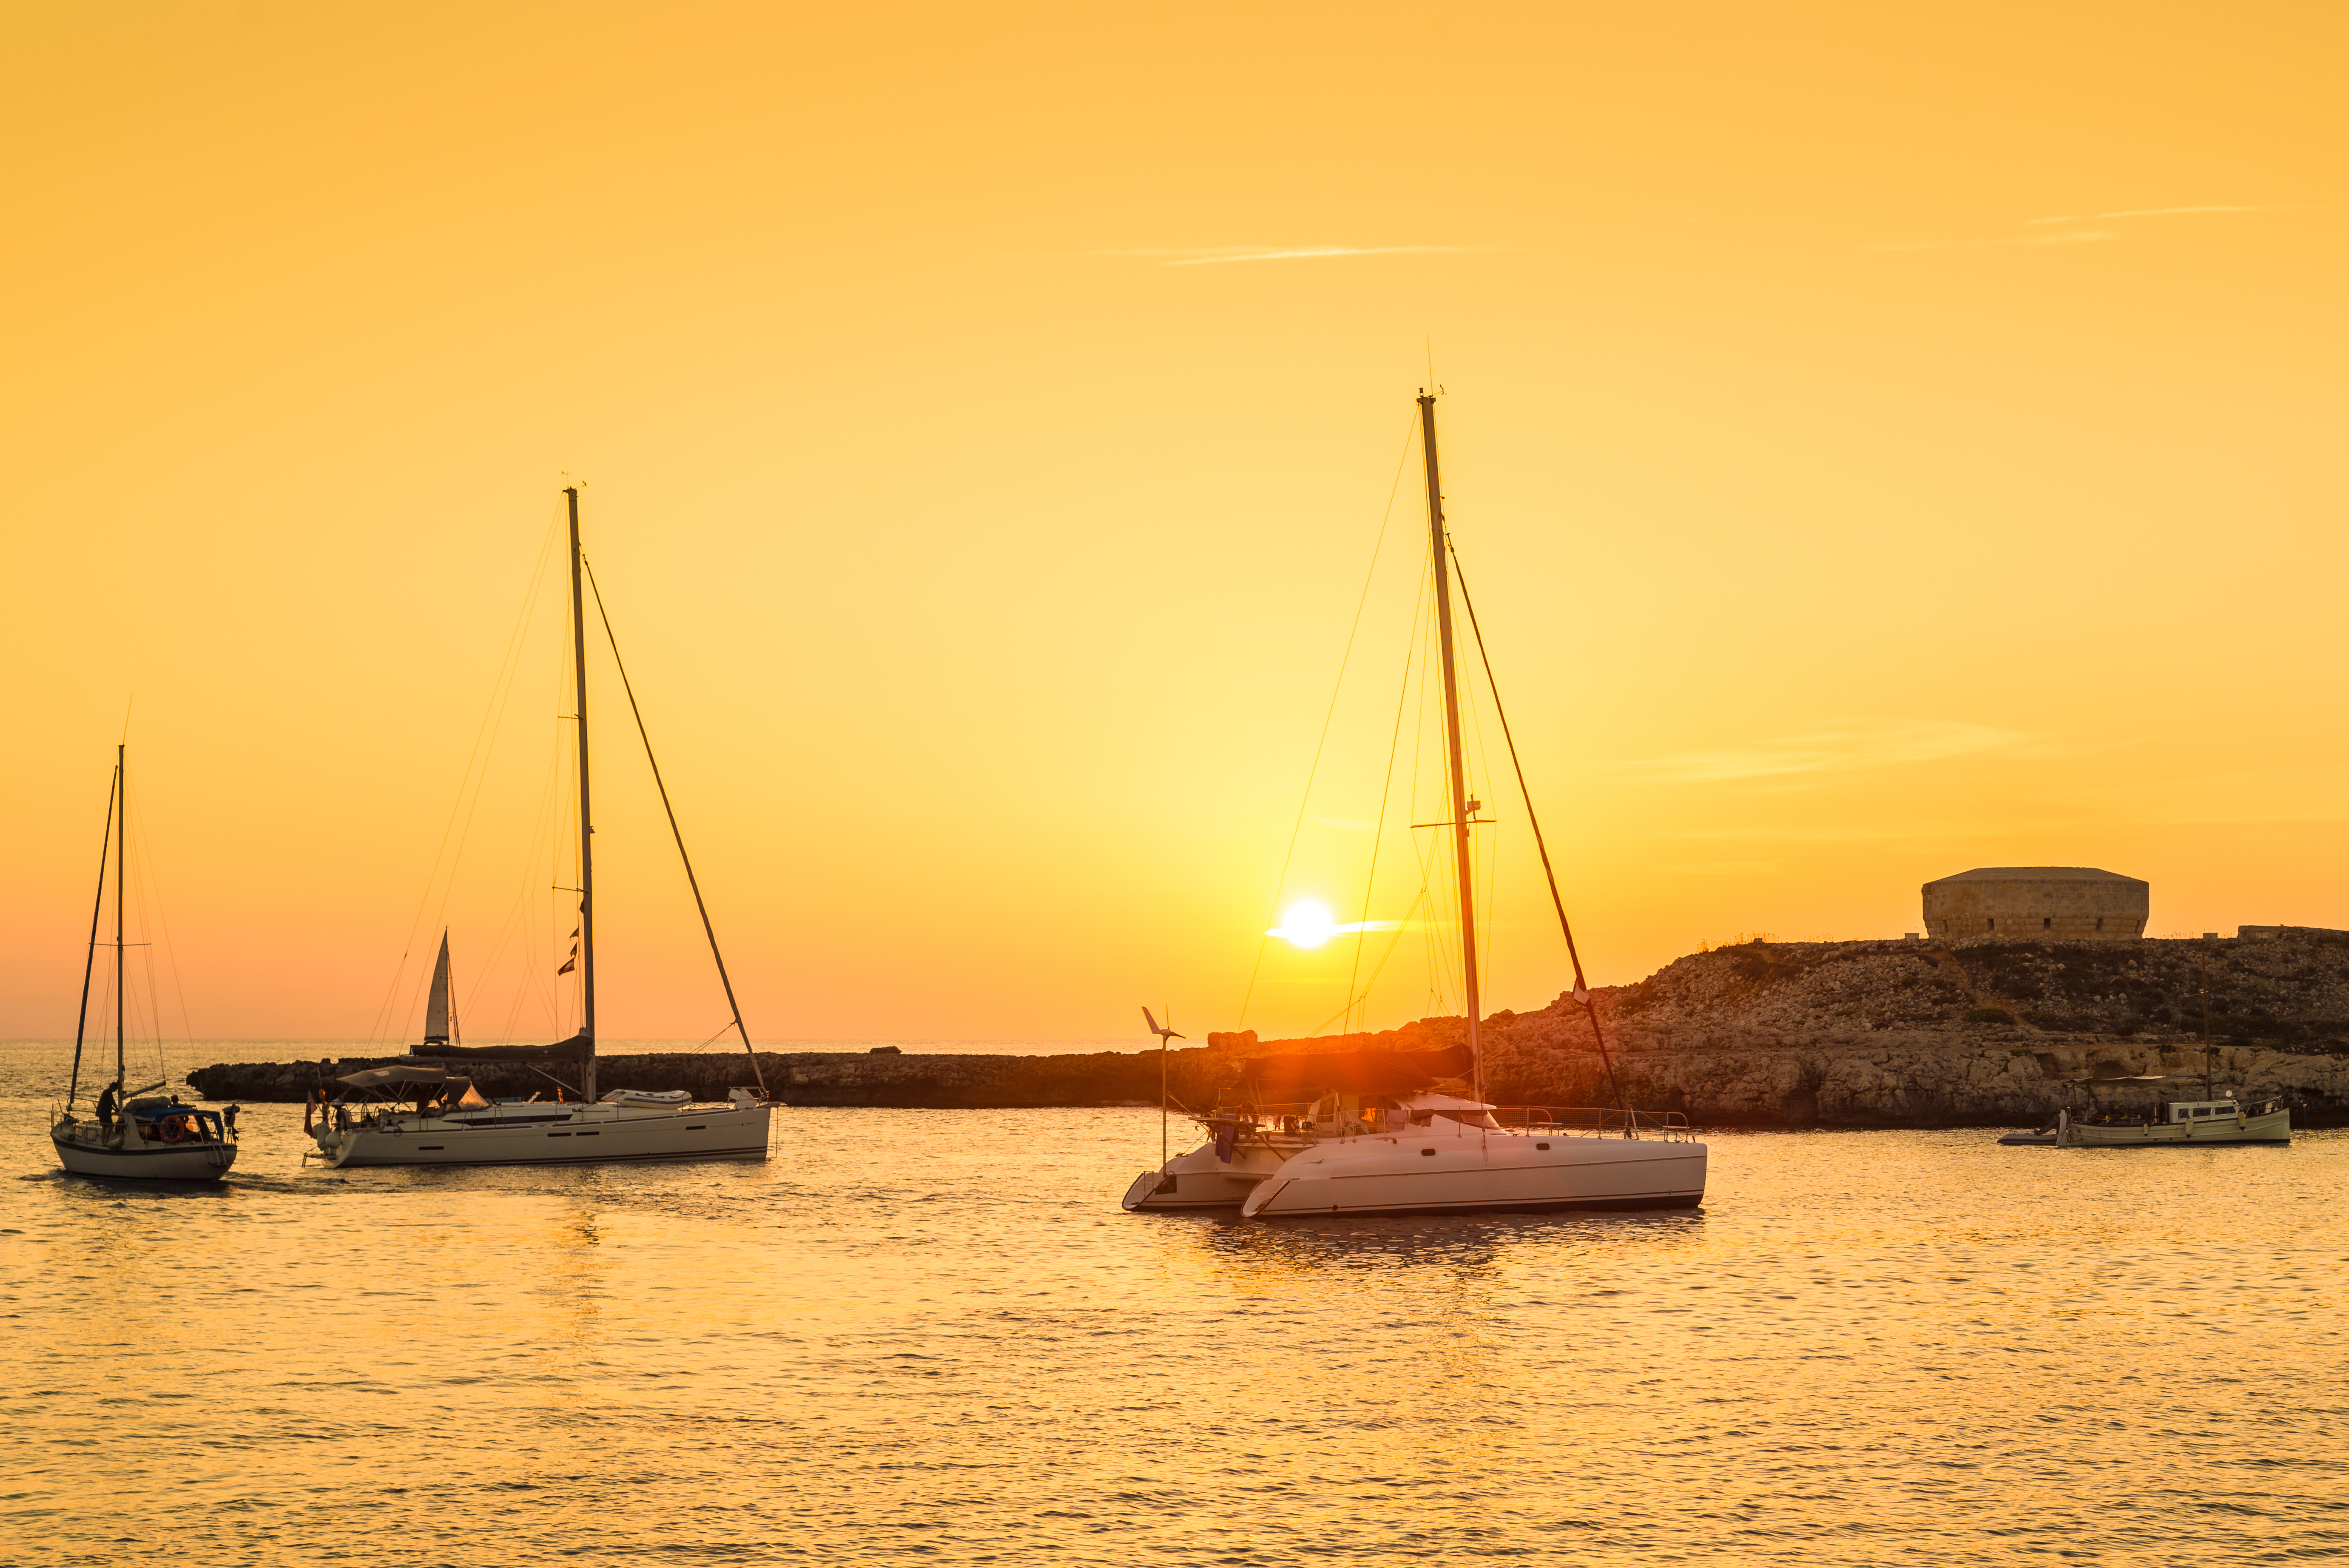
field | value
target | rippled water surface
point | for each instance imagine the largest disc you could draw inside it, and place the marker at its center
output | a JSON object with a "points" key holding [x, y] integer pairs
{"points": [[932, 1336]]}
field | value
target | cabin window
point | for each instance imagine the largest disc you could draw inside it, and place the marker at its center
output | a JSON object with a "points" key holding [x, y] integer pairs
{"points": [[2047, 923], [1541, 1146], [1994, 922], [1428, 1152]]}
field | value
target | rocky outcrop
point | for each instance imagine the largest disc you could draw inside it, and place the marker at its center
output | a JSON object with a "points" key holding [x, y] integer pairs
{"points": [[1763, 1035], [1906, 1033]]}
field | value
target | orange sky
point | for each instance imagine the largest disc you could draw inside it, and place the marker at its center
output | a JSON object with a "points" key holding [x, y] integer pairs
{"points": [[1884, 440]]}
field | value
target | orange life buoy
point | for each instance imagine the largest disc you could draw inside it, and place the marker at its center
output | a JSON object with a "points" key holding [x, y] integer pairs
{"points": [[170, 1130]]}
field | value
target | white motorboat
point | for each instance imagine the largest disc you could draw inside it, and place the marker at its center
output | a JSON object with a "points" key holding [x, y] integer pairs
{"points": [[448, 1124], [1373, 1144], [138, 1136]]}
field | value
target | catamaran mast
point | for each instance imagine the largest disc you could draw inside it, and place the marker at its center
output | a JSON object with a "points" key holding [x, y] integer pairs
{"points": [[1463, 808], [586, 828], [121, 862]]}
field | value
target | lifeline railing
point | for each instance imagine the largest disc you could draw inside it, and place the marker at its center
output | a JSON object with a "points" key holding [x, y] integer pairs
{"points": [[1575, 1121], [1598, 1121]]}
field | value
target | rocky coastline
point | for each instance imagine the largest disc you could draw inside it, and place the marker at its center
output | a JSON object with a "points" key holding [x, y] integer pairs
{"points": [[1759, 1034]]}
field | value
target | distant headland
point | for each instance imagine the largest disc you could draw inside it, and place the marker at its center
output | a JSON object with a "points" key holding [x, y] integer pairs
{"points": [[1901, 1032]]}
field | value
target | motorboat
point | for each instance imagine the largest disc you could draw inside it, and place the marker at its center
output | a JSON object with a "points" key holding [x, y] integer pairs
{"points": [[426, 1116], [2212, 1122], [136, 1135], [426, 1112], [1387, 1138]]}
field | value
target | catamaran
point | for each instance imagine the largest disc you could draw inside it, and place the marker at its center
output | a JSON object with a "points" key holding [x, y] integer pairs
{"points": [[1386, 1137], [419, 1114], [136, 1134]]}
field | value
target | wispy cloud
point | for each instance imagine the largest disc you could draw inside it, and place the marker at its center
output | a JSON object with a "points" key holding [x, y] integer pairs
{"points": [[1218, 255], [2138, 213], [1720, 867], [1845, 747], [2076, 237], [2070, 237]]}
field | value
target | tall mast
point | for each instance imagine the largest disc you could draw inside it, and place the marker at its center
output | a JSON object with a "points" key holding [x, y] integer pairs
{"points": [[587, 827], [1462, 806], [121, 862]]}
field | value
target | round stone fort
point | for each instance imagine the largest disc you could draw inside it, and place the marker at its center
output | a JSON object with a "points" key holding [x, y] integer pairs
{"points": [[2036, 903]]}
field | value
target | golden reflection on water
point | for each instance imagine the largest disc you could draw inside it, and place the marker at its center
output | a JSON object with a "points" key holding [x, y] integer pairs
{"points": [[932, 1335]]}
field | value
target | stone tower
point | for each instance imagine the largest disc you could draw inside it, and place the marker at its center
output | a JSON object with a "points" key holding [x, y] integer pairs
{"points": [[2036, 903]]}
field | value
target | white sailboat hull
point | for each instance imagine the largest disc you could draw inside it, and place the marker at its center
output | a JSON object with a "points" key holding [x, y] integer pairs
{"points": [[593, 1135], [136, 1162], [1473, 1168]]}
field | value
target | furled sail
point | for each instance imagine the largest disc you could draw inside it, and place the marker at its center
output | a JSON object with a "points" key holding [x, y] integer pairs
{"points": [[436, 1008]]}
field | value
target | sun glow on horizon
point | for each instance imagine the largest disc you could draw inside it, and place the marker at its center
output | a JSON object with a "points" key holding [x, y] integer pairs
{"points": [[1307, 924]]}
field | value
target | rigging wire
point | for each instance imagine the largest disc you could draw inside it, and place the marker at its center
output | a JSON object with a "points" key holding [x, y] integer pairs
{"points": [[1306, 801], [90, 961], [142, 851], [1378, 968], [1378, 831], [1430, 858], [508, 666], [516, 921], [675, 831], [1581, 986]]}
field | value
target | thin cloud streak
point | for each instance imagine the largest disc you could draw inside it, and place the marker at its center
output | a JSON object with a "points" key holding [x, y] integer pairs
{"points": [[2080, 236], [1855, 745], [1218, 255], [2138, 213]]}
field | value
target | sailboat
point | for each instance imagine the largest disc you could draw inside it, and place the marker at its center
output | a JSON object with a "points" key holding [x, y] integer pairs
{"points": [[136, 1134], [1390, 1137], [429, 1115]]}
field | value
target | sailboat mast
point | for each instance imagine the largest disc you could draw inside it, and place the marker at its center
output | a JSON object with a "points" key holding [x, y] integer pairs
{"points": [[121, 863], [586, 828], [1461, 855]]}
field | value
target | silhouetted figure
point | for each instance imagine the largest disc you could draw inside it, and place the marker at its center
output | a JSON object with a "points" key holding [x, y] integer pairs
{"points": [[106, 1104]]}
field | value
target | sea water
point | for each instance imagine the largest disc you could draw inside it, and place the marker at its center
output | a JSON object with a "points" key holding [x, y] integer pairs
{"points": [[931, 1336]]}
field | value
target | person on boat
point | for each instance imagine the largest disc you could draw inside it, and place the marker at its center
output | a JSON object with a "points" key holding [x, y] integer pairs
{"points": [[228, 1118], [106, 1104]]}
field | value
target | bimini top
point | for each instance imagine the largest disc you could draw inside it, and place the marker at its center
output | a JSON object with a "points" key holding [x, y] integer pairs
{"points": [[1300, 1077], [377, 1078]]}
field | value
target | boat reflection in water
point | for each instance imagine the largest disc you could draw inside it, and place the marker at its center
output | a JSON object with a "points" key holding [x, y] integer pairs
{"points": [[1412, 1132]]}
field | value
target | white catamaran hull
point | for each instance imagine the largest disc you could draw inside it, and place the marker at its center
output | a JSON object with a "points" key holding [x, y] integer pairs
{"points": [[2270, 1128], [1482, 1168], [1197, 1180], [594, 1135]]}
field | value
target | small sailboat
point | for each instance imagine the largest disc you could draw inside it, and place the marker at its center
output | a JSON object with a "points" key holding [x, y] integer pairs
{"points": [[437, 1019], [1371, 1143], [429, 1115], [136, 1133]]}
